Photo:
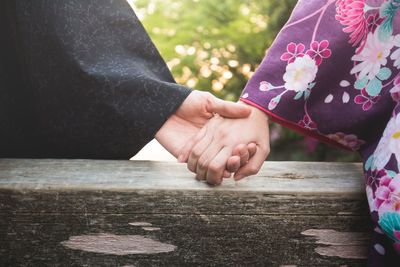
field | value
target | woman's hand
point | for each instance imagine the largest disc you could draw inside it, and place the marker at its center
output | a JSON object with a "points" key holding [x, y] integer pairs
{"points": [[209, 152]]}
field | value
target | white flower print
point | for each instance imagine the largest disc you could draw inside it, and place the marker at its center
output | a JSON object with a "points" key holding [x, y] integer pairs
{"points": [[396, 54], [373, 56], [300, 73], [389, 144]]}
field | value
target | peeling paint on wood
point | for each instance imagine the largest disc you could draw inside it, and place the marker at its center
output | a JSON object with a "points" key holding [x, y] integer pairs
{"points": [[347, 245], [151, 228], [117, 244], [254, 222], [140, 224], [345, 252]]}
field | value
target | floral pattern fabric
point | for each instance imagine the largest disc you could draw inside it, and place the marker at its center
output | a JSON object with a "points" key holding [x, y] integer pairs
{"points": [[334, 73]]}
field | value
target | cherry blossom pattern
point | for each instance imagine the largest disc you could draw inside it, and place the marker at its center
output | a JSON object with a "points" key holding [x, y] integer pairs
{"points": [[388, 145], [307, 123], [372, 57], [293, 51], [396, 54], [300, 73], [366, 100], [351, 14], [387, 195], [348, 140], [371, 198], [373, 177], [319, 51], [299, 77]]}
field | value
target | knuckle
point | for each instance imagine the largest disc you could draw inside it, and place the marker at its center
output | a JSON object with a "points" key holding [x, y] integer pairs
{"points": [[222, 134], [208, 95], [202, 164], [214, 167], [196, 153], [208, 98], [267, 150]]}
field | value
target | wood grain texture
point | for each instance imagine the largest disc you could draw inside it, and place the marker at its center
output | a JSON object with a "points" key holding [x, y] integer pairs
{"points": [[283, 216]]}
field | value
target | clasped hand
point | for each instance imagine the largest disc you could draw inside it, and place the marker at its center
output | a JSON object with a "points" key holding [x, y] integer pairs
{"points": [[236, 140]]}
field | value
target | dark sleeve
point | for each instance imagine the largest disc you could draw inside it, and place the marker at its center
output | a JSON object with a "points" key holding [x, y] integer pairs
{"points": [[97, 85]]}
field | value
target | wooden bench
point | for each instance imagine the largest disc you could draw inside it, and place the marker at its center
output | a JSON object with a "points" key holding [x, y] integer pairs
{"points": [[124, 213]]}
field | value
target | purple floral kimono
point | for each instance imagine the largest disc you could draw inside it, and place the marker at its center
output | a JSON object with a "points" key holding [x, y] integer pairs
{"points": [[334, 73]]}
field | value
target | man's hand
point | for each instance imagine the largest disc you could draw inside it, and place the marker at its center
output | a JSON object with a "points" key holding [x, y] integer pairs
{"points": [[198, 108]]}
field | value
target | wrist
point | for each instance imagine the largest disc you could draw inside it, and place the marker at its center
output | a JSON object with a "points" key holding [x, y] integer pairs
{"points": [[256, 112]]}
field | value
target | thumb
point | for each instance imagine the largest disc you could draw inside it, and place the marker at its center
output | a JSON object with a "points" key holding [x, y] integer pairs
{"points": [[228, 109]]}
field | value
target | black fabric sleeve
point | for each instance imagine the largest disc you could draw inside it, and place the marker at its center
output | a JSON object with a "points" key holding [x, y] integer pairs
{"points": [[94, 85]]}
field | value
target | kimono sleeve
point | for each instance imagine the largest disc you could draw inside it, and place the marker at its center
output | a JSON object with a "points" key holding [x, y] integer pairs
{"points": [[333, 73], [324, 77], [98, 87]]}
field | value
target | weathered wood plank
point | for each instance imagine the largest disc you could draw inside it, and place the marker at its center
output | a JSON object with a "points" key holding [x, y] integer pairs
{"points": [[115, 213], [285, 177]]}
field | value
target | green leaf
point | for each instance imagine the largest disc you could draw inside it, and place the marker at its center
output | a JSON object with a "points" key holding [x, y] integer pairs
{"points": [[384, 74], [307, 94], [298, 95], [361, 84], [389, 222], [368, 163], [387, 11], [374, 87]]}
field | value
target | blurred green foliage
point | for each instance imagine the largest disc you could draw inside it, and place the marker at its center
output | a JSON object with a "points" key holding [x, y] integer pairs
{"points": [[217, 45]]}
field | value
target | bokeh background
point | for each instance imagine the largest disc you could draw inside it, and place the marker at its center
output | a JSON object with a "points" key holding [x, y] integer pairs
{"points": [[216, 46]]}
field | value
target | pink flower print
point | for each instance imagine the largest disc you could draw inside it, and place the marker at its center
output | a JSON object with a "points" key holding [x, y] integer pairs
{"points": [[307, 123], [373, 178], [319, 51], [348, 140], [387, 195], [366, 100], [395, 91], [397, 81], [350, 13], [293, 51]]}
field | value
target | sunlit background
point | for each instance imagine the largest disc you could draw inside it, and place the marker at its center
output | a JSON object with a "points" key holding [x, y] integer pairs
{"points": [[216, 46]]}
